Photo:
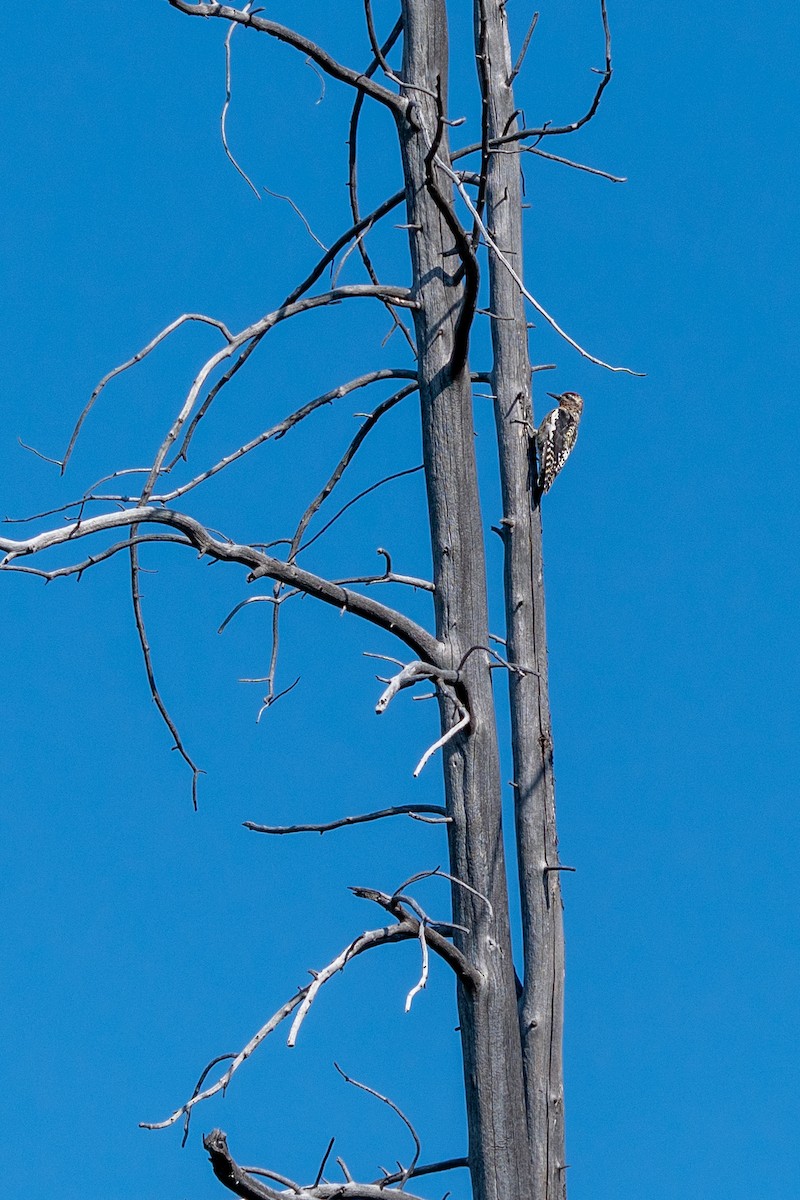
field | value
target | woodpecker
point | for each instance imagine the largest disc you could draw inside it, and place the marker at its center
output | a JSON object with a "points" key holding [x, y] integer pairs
{"points": [[555, 437]]}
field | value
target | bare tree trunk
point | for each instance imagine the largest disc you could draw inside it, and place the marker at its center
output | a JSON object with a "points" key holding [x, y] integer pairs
{"points": [[541, 1006], [511, 1045], [498, 1142]]}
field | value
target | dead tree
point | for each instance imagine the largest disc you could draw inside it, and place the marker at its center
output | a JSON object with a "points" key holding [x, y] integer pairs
{"points": [[463, 214]]}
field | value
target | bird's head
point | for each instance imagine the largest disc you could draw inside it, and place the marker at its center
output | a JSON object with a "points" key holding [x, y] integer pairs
{"points": [[569, 400]]}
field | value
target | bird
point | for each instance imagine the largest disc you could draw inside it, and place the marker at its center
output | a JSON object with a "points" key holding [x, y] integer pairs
{"points": [[554, 439]]}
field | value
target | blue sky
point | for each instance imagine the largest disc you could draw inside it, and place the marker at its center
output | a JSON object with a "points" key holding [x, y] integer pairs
{"points": [[140, 939]]}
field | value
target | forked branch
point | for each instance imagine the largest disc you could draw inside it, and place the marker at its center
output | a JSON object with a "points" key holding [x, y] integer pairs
{"points": [[325, 61], [259, 563], [405, 928]]}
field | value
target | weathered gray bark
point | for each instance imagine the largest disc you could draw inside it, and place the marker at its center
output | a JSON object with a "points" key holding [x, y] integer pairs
{"points": [[541, 1006], [498, 1140], [511, 1045]]}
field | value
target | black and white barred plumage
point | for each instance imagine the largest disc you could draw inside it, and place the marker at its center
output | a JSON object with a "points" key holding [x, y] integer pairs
{"points": [[555, 437]]}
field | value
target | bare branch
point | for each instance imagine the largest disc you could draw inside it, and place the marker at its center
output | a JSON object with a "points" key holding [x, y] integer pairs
{"points": [[422, 982], [391, 1104], [447, 1164], [259, 564], [412, 673], [102, 556], [57, 462], [550, 130], [203, 1076], [301, 215], [324, 1160], [531, 299], [240, 1181], [344, 462], [397, 810], [379, 51], [355, 499], [352, 142], [317, 55], [254, 333], [518, 64], [437, 872], [557, 130], [424, 585], [404, 929], [359, 225], [229, 1173], [284, 1179], [137, 358], [457, 961], [568, 162], [150, 672], [466, 253], [460, 724], [226, 106], [279, 430]]}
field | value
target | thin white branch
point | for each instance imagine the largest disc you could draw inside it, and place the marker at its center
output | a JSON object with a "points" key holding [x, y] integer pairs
{"points": [[423, 978], [442, 741], [137, 358], [465, 196], [301, 215], [226, 106]]}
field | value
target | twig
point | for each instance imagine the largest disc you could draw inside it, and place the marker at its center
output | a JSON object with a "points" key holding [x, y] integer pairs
{"points": [[423, 978], [141, 631], [518, 64], [226, 106], [438, 873], [391, 1104], [57, 462], [447, 1164], [352, 178], [397, 810], [254, 600], [320, 77], [367, 426], [410, 675], [568, 162], [458, 963], [282, 1179], [301, 215], [360, 496], [137, 358], [203, 1076], [93, 559], [343, 1166], [543, 312], [322, 1164], [390, 576]]}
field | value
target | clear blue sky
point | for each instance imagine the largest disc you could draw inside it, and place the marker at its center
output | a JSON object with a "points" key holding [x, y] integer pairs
{"points": [[139, 939]]}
